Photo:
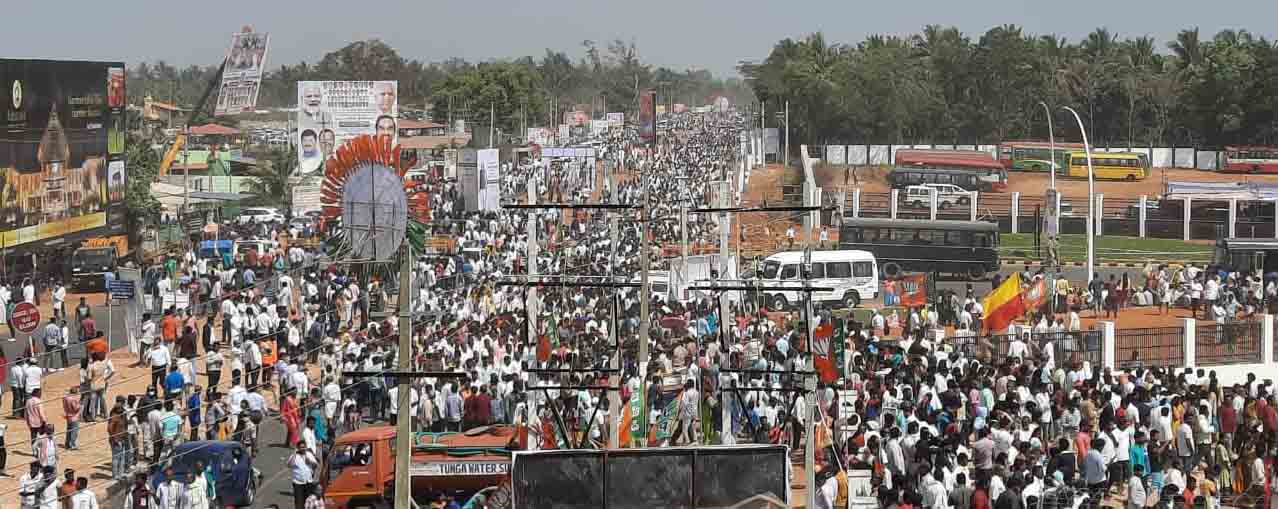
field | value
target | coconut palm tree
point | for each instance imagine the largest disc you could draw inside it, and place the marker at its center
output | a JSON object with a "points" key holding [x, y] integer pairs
{"points": [[270, 182]]}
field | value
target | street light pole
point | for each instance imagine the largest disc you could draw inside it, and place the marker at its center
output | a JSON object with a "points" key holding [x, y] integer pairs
{"points": [[1091, 200], [1051, 141]]}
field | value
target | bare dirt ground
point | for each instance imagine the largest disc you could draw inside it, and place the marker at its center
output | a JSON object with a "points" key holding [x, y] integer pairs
{"points": [[873, 179]]}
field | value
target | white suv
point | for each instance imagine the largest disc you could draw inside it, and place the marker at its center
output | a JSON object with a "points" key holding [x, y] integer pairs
{"points": [[946, 195], [260, 215]]}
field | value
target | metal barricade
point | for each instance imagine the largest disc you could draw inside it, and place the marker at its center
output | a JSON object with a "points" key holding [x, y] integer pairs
{"points": [[1236, 342], [1149, 347]]}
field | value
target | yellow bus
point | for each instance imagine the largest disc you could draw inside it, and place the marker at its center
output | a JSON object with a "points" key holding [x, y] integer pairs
{"points": [[1110, 165]]}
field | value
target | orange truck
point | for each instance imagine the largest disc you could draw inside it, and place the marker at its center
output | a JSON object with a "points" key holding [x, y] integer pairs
{"points": [[359, 470]]}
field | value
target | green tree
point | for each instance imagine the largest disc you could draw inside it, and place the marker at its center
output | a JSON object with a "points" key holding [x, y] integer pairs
{"points": [[143, 165], [271, 178]]}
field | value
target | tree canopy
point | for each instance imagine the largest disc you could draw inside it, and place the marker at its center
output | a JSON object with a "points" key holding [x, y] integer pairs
{"points": [[944, 86], [605, 77]]}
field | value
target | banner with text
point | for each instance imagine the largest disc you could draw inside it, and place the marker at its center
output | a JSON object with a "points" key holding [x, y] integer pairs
{"points": [[331, 112], [242, 76]]}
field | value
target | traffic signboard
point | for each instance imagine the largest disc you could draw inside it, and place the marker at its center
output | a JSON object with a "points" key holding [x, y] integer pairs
{"points": [[121, 289], [26, 317]]}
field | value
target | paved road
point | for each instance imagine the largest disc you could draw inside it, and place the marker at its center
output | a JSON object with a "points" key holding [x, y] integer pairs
{"points": [[119, 337]]}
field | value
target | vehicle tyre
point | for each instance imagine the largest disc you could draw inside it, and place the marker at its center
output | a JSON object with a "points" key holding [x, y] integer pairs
{"points": [[251, 496], [779, 303], [851, 299], [891, 269], [917, 204], [1130, 178], [976, 273], [963, 200], [943, 205]]}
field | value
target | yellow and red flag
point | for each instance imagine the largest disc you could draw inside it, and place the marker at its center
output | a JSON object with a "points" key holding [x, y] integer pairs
{"points": [[1003, 305]]}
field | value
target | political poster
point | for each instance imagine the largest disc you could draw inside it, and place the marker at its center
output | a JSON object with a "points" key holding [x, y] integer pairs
{"points": [[489, 161], [306, 195], [616, 119], [540, 135], [912, 290], [62, 168], [242, 75], [468, 177], [330, 113], [648, 116], [597, 128]]}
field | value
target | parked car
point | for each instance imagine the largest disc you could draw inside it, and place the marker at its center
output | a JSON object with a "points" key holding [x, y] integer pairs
{"points": [[236, 480], [947, 195], [260, 215]]}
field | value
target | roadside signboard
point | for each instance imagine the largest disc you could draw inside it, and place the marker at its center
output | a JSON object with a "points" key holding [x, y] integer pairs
{"points": [[26, 317], [123, 290]]}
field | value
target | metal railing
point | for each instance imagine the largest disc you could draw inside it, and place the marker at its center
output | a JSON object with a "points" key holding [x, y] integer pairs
{"points": [[1149, 347], [1228, 343]]}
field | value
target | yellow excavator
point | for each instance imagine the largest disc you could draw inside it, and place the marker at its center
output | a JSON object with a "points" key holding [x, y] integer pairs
{"points": [[180, 140]]}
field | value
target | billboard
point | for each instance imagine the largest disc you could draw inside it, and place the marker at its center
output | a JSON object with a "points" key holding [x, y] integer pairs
{"points": [[306, 195], [468, 176], [331, 112], [648, 116], [242, 76], [540, 135], [708, 476], [489, 182], [62, 167], [616, 119]]}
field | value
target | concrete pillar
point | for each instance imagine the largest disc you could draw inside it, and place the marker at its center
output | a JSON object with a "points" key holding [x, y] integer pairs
{"points": [[1108, 345], [1143, 215], [856, 203], [976, 197], [1191, 339], [932, 198], [1016, 212], [1188, 202], [1233, 217], [1267, 339], [1276, 218], [1099, 216], [892, 202]]}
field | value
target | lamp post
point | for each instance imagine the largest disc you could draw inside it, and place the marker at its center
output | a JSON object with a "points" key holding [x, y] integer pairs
{"points": [[1091, 199], [1051, 144]]}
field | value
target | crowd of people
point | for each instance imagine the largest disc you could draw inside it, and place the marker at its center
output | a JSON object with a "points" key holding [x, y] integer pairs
{"points": [[274, 336]]}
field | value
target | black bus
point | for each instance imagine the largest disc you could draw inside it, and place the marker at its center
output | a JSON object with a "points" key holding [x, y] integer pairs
{"points": [[969, 248]]}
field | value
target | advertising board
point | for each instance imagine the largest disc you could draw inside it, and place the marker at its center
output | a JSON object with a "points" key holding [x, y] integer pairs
{"points": [[648, 116], [62, 154], [331, 112], [242, 76]]}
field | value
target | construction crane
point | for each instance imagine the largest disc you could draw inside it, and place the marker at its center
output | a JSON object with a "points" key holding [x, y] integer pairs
{"points": [[180, 140]]}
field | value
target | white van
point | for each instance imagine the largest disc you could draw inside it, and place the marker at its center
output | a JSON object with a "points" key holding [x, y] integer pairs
{"points": [[854, 276]]}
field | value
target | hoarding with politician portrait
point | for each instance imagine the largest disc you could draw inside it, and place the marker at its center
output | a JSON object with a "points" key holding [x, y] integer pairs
{"points": [[242, 75], [331, 112], [62, 167]]}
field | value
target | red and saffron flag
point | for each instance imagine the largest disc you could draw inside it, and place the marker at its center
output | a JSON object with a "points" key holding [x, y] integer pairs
{"points": [[823, 354], [1003, 305]]}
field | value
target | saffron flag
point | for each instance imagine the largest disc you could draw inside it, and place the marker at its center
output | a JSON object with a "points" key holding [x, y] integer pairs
{"points": [[1003, 305], [823, 353]]}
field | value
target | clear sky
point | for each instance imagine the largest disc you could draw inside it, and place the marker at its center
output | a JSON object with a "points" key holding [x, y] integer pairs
{"points": [[709, 34]]}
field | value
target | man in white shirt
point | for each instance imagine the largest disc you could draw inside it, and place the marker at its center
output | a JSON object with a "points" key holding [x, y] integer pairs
{"points": [[84, 498], [60, 301], [302, 465]]}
